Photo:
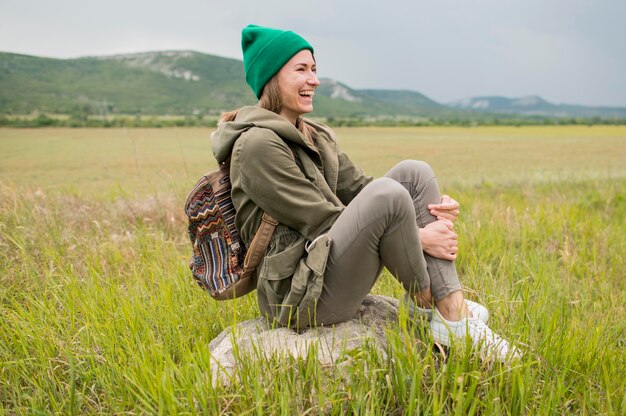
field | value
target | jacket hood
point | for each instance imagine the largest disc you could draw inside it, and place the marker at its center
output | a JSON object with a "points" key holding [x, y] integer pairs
{"points": [[227, 133]]}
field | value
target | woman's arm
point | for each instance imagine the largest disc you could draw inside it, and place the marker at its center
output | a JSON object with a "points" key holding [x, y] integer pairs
{"points": [[350, 180], [350, 177]]}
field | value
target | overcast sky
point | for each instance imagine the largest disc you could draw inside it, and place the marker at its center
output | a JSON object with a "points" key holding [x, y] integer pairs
{"points": [[567, 51]]}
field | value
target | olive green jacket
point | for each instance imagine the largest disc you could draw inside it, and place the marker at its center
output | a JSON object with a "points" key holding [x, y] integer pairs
{"points": [[304, 186]]}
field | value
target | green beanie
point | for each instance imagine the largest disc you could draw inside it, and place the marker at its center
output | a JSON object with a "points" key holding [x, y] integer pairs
{"points": [[265, 51]]}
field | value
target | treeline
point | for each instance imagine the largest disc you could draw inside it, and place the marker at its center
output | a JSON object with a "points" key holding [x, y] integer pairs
{"points": [[44, 120], [470, 122], [139, 121]]}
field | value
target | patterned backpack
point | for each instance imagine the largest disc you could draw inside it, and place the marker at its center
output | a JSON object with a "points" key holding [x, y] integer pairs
{"points": [[220, 262]]}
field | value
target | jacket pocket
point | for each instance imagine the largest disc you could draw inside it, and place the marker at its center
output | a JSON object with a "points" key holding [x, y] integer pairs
{"points": [[276, 272], [313, 267]]}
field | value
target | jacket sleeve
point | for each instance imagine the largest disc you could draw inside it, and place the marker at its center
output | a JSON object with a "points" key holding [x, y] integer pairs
{"points": [[350, 180], [271, 178]]}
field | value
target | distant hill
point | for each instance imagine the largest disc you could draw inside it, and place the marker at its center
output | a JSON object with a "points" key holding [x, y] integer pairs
{"points": [[169, 82], [333, 98], [193, 83], [534, 105]]}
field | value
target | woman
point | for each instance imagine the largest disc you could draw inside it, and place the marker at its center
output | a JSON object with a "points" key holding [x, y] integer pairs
{"points": [[338, 227]]}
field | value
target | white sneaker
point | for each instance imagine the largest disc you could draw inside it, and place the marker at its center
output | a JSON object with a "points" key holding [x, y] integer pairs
{"points": [[490, 344], [478, 310]]}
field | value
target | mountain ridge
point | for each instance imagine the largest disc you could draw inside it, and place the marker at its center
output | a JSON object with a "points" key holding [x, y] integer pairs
{"points": [[533, 105], [184, 82]]}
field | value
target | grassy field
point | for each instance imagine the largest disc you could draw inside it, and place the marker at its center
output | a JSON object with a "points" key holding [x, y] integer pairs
{"points": [[99, 313]]}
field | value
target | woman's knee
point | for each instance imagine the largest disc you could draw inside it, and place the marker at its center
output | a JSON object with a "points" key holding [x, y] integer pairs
{"points": [[388, 194], [409, 170]]}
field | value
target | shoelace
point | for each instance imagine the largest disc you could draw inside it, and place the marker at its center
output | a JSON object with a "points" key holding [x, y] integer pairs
{"points": [[490, 338]]}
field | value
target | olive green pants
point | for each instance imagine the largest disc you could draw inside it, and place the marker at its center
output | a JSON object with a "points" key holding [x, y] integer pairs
{"points": [[379, 228]]}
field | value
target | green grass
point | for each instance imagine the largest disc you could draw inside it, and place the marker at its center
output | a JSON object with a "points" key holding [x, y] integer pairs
{"points": [[99, 313]]}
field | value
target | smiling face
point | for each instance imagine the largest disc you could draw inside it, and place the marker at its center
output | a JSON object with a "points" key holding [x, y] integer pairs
{"points": [[297, 80]]}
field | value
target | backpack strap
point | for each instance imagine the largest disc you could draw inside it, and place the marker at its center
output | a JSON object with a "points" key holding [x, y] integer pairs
{"points": [[259, 244]]}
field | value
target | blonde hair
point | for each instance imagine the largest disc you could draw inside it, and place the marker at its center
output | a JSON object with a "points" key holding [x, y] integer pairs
{"points": [[272, 101], [270, 98]]}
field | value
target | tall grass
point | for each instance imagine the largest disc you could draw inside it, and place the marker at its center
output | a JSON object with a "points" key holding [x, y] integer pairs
{"points": [[99, 314]]}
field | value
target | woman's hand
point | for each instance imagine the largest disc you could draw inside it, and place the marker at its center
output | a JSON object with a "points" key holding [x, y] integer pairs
{"points": [[439, 240], [448, 209]]}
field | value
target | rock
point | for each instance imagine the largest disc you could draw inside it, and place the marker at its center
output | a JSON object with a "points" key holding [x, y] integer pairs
{"points": [[255, 339]]}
